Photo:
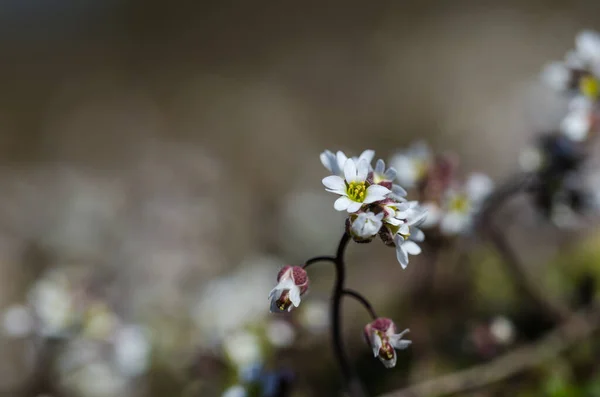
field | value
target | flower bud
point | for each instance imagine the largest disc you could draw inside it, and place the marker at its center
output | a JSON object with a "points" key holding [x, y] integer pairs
{"points": [[292, 283], [382, 337]]}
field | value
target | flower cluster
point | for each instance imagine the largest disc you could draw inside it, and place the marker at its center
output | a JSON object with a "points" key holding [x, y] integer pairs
{"points": [[450, 203], [375, 204], [579, 76]]}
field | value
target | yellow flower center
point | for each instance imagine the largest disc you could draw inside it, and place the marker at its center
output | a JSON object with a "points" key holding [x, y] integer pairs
{"points": [[357, 191], [589, 86], [460, 204]]}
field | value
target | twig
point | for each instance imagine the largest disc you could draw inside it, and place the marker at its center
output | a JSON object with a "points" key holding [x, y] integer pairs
{"points": [[525, 285], [579, 327]]}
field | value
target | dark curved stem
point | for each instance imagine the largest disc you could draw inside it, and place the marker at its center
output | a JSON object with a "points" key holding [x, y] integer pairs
{"points": [[355, 388], [316, 259], [363, 301]]}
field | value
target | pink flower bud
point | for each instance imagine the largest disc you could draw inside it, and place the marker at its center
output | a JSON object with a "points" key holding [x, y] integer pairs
{"points": [[292, 283]]}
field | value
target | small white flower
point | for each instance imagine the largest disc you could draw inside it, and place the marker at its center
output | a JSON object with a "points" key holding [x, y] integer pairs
{"points": [[18, 321], [557, 76], [292, 283], [366, 225], [353, 189], [335, 162], [132, 350], [404, 247], [280, 333], [381, 336], [53, 304], [587, 44], [503, 330], [243, 349], [381, 174], [434, 214], [235, 391], [315, 316], [578, 122], [412, 165]]}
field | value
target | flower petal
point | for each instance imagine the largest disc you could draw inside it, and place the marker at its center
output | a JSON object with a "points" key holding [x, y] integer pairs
{"points": [[354, 206], [401, 255], [390, 174], [295, 296], [350, 171], [389, 363], [334, 184], [375, 344], [342, 203], [376, 193], [367, 155], [362, 170], [380, 167], [411, 247], [417, 234]]}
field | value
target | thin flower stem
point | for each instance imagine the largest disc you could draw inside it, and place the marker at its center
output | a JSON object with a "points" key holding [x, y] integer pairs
{"points": [[316, 259], [362, 300], [355, 387]]}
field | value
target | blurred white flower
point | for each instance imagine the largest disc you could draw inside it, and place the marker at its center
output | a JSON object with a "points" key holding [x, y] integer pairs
{"points": [[587, 45], [132, 350], [503, 330], [243, 348], [53, 304], [97, 379], [235, 391], [578, 122], [557, 76], [366, 225], [412, 164], [315, 316], [18, 321], [99, 321], [434, 214], [381, 174], [353, 187], [335, 162], [280, 333]]}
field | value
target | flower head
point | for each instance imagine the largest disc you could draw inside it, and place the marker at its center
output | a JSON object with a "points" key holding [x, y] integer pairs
{"points": [[292, 284], [383, 176], [354, 189], [365, 226], [382, 337], [412, 165]]}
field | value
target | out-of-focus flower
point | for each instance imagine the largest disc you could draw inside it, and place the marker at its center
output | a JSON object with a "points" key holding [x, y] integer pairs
{"points": [[461, 205], [315, 316], [97, 379], [132, 350], [292, 284], [579, 122], [280, 333], [336, 162], [382, 338], [383, 176], [99, 321], [243, 348], [587, 45], [354, 189], [412, 165], [18, 321], [53, 304], [366, 225], [503, 330], [235, 391]]}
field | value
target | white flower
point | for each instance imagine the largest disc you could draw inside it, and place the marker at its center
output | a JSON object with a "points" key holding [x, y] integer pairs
{"points": [[412, 165], [315, 316], [382, 338], [404, 247], [353, 190], [587, 44], [243, 349], [462, 204], [235, 391], [132, 350], [434, 214], [380, 174], [577, 123], [503, 330], [557, 76], [53, 304], [18, 321], [280, 333], [292, 283], [335, 162], [366, 225]]}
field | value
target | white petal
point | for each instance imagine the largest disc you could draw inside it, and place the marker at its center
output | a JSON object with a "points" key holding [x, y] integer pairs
{"points": [[588, 45], [350, 171], [295, 296], [478, 187], [556, 75], [376, 193], [417, 234], [367, 155], [329, 161], [375, 344], [390, 174], [380, 166], [401, 256], [398, 190], [334, 184], [342, 203], [362, 171], [341, 160], [354, 206], [411, 248], [453, 223], [390, 363], [404, 229]]}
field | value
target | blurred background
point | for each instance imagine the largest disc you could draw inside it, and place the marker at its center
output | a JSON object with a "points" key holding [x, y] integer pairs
{"points": [[160, 163]]}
